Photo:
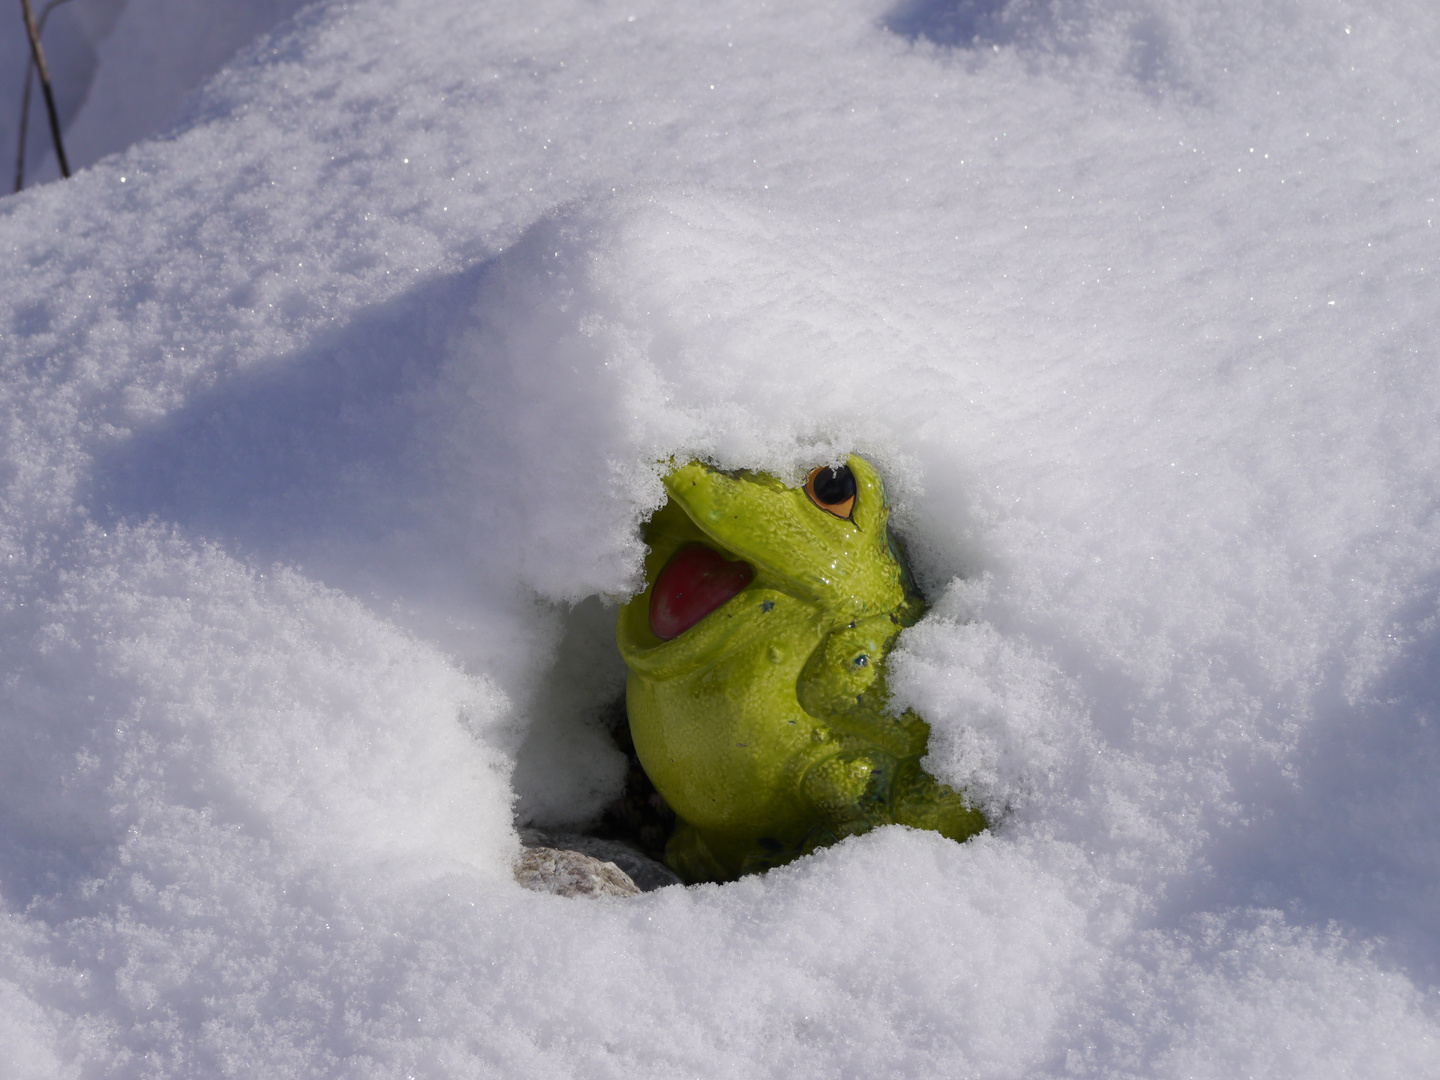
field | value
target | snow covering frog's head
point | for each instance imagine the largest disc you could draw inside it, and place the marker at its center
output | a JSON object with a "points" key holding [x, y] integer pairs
{"points": [[756, 695]]}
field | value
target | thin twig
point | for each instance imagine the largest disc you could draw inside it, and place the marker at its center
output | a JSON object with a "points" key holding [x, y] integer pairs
{"points": [[24, 123], [25, 97], [37, 54]]}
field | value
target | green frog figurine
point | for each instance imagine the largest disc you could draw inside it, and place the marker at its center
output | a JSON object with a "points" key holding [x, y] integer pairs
{"points": [[756, 692]]}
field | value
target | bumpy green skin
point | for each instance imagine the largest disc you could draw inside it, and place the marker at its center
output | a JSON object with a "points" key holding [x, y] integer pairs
{"points": [[761, 725]]}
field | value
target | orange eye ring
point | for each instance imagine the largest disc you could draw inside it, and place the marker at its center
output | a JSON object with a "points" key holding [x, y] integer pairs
{"points": [[832, 488]]}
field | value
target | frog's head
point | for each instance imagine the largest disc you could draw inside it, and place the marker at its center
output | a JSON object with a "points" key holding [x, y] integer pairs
{"points": [[722, 535]]}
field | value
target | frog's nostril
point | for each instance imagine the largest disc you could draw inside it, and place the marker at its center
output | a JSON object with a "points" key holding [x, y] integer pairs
{"points": [[696, 581]]}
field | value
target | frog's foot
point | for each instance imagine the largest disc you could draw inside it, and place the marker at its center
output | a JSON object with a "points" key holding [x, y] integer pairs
{"points": [[849, 793]]}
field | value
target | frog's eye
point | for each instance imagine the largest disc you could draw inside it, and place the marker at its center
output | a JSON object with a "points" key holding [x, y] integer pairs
{"points": [[832, 489]]}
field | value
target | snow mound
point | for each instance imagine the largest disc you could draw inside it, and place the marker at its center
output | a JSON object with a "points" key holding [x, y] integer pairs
{"points": [[329, 425]]}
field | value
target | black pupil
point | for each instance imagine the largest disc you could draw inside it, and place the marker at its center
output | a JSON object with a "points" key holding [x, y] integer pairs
{"points": [[833, 486]]}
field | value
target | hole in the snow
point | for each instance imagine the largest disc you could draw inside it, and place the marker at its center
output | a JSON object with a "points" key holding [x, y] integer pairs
{"points": [[757, 702]]}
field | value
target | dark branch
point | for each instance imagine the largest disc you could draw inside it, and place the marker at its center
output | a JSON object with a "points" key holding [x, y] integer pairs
{"points": [[37, 56]]}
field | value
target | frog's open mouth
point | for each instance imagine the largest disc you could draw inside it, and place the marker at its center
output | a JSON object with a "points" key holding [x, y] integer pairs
{"points": [[696, 581]]}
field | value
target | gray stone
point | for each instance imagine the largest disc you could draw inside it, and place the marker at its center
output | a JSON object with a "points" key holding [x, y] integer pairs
{"points": [[647, 873], [571, 873]]}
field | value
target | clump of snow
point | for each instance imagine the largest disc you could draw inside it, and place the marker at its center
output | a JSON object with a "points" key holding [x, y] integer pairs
{"points": [[331, 419]]}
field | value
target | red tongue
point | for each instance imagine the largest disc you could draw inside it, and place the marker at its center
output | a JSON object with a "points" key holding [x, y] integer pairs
{"points": [[695, 582]]}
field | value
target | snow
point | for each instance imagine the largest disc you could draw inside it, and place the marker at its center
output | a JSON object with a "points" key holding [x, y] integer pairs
{"points": [[331, 414]]}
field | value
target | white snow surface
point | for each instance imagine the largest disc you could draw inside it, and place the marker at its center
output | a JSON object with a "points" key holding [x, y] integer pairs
{"points": [[330, 420]]}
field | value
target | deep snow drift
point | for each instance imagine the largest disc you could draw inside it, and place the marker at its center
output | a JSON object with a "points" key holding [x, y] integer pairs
{"points": [[330, 419]]}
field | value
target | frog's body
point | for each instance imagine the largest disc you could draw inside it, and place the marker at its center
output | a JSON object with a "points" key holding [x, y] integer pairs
{"points": [[763, 722]]}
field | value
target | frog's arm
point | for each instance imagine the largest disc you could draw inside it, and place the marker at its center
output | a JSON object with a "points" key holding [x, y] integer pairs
{"points": [[844, 683]]}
